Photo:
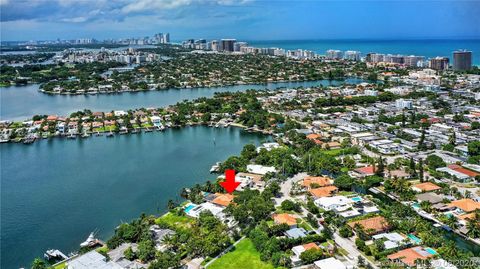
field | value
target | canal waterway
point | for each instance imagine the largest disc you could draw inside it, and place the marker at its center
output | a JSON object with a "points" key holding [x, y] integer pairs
{"points": [[22, 102], [56, 191]]}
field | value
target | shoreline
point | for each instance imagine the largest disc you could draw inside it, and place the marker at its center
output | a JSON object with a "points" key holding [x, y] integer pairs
{"points": [[135, 131], [178, 88]]}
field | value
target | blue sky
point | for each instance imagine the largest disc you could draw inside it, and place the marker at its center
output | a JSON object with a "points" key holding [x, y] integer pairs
{"points": [[241, 19]]}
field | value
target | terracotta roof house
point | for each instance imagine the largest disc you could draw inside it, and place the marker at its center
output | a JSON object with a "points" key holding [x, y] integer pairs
{"points": [[323, 191], [410, 255], [223, 199], [365, 171], [425, 187], [290, 220], [315, 138], [462, 170], [465, 205], [52, 118], [398, 174], [332, 145], [320, 181], [372, 225]]}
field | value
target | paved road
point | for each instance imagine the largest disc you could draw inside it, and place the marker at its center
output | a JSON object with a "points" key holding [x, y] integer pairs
{"points": [[350, 247], [286, 186]]}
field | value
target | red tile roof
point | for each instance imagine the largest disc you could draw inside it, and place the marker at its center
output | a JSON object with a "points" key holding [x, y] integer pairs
{"points": [[462, 170]]}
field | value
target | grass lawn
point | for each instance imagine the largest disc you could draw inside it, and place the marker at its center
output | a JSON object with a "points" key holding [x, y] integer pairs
{"points": [[244, 256], [175, 221], [333, 152], [60, 266]]}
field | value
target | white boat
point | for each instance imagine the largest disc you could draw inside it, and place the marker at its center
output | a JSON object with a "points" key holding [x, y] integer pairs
{"points": [[91, 240], [54, 254], [215, 167]]}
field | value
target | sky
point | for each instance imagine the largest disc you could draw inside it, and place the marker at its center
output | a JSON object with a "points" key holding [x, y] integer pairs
{"points": [[23, 20]]}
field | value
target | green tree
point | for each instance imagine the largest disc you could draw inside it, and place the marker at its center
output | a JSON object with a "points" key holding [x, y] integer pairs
{"points": [[39, 264], [344, 182], [420, 169], [311, 255], [129, 254], [146, 250], [434, 162], [249, 152]]}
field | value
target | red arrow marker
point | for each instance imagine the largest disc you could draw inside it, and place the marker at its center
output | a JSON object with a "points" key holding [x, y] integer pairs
{"points": [[229, 184]]}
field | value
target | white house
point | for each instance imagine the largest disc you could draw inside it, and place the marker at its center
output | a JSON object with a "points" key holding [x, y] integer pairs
{"points": [[329, 263], [260, 169], [334, 202], [156, 121]]}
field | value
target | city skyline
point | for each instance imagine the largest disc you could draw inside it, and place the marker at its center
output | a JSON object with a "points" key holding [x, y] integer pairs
{"points": [[272, 20]]}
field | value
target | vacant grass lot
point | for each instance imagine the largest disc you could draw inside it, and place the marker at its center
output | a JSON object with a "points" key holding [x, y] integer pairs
{"points": [[244, 256]]}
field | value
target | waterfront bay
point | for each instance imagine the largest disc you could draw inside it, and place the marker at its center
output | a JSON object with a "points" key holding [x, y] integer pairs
{"points": [[56, 191], [22, 102]]}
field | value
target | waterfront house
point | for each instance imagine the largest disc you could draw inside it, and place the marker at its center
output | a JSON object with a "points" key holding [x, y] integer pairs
{"points": [[260, 170], [333, 203], [156, 121], [426, 187], [464, 206], [391, 240], [250, 180], [118, 257], [92, 260], [410, 255], [216, 210], [430, 197], [159, 235], [223, 199]]}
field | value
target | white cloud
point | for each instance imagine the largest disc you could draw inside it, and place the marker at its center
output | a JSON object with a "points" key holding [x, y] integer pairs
{"points": [[3, 2], [149, 5]]}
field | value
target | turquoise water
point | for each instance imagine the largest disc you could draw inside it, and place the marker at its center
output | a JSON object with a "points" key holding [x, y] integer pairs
{"points": [[55, 192], [416, 205], [428, 48], [189, 207], [431, 251], [357, 199], [415, 238], [21, 102]]}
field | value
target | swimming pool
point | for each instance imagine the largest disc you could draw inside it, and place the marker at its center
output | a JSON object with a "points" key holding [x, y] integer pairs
{"points": [[431, 251], [357, 199], [416, 205], [414, 238], [189, 207]]}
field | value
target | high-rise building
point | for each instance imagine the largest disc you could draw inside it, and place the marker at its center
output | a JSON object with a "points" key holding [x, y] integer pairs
{"points": [[334, 54], [462, 60], [214, 45], [352, 55], [375, 57], [413, 61], [228, 44], [238, 46], [439, 63]]}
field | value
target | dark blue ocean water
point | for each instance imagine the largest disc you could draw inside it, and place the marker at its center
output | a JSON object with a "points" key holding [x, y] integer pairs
{"points": [[428, 48]]}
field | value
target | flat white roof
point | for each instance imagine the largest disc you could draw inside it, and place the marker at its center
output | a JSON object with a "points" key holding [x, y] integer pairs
{"points": [[330, 263]]}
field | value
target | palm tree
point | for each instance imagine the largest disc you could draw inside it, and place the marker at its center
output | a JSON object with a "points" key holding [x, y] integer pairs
{"points": [[473, 225]]}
